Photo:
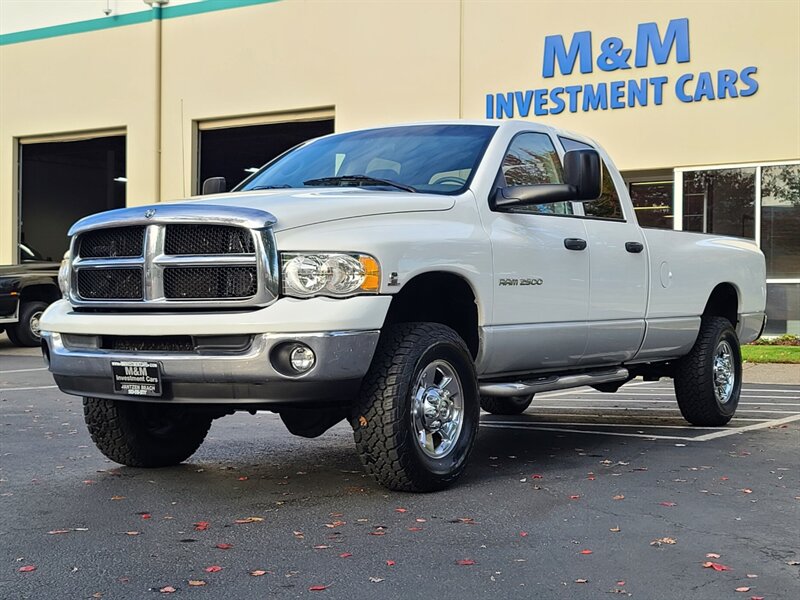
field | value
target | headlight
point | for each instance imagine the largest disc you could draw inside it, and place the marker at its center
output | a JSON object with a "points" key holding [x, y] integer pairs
{"points": [[329, 274], [63, 275]]}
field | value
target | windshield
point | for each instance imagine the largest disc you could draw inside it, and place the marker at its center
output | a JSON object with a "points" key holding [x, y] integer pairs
{"points": [[437, 159]]}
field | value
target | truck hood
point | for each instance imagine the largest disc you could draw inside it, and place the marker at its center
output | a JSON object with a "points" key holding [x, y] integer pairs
{"points": [[296, 208]]}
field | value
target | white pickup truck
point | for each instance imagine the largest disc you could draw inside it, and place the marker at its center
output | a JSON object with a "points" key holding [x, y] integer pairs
{"points": [[402, 278]]}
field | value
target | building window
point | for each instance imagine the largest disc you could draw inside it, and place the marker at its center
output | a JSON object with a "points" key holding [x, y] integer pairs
{"points": [[652, 201], [720, 201], [780, 220], [731, 201]]}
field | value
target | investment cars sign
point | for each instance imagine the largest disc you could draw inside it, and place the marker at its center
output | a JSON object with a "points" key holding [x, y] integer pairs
{"points": [[613, 56]]}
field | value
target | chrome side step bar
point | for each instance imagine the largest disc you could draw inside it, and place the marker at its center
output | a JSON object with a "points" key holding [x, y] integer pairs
{"points": [[549, 384]]}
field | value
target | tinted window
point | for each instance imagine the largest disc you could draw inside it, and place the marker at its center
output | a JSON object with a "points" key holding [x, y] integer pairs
{"points": [[438, 159], [607, 206], [532, 159]]}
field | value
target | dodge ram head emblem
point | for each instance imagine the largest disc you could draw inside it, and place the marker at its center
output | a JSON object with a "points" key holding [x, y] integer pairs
{"points": [[150, 213]]}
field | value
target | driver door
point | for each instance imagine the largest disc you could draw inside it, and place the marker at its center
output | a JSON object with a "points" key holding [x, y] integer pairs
{"points": [[541, 286]]}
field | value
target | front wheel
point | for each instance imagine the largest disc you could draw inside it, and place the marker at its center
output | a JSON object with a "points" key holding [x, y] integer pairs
{"points": [[26, 331], [144, 434], [708, 380], [417, 414]]}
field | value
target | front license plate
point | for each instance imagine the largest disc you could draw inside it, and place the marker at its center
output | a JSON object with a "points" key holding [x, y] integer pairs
{"points": [[136, 378]]}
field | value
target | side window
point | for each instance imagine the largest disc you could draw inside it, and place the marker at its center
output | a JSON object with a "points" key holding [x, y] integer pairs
{"points": [[532, 159], [607, 206]]}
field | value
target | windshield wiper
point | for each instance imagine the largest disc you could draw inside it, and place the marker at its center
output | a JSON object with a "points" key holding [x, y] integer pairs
{"points": [[346, 180], [269, 187]]}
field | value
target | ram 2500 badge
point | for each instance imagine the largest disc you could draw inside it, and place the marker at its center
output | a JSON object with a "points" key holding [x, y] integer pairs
{"points": [[401, 278]]}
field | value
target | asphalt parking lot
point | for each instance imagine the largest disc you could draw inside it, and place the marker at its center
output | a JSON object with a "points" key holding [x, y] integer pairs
{"points": [[586, 494]]}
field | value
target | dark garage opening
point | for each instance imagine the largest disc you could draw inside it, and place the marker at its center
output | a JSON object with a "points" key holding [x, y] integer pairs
{"points": [[233, 152], [61, 182]]}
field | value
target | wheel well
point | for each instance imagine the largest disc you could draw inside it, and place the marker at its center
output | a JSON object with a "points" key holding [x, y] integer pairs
{"points": [[41, 292], [438, 298], [723, 302]]}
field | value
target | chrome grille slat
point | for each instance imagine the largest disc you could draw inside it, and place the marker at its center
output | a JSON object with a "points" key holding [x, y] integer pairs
{"points": [[180, 264]]}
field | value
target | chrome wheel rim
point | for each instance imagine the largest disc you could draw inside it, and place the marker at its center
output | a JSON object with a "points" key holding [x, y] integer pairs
{"points": [[34, 323], [437, 409], [724, 372]]}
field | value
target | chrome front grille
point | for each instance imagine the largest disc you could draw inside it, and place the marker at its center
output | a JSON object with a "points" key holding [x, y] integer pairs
{"points": [[171, 261]]}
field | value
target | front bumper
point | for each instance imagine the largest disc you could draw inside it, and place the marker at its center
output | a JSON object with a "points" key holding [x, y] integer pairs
{"points": [[242, 378]]}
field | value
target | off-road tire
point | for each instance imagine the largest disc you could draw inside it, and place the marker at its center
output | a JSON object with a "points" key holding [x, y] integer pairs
{"points": [[381, 418], [21, 333], [124, 431], [694, 376], [498, 405]]}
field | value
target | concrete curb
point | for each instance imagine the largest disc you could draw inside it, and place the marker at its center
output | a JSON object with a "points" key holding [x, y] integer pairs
{"points": [[771, 373]]}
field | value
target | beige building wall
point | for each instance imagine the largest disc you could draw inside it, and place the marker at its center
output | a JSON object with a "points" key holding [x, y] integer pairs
{"points": [[74, 85], [383, 61]]}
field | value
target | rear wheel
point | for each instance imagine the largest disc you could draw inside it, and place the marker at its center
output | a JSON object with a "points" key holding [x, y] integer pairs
{"points": [[708, 380], [497, 405], [417, 415], [144, 434], [26, 331]]}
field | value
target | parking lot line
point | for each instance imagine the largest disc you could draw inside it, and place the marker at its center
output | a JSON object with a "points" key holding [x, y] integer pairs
{"points": [[577, 423], [675, 402], [627, 408], [23, 389], [766, 424], [612, 433], [23, 370]]}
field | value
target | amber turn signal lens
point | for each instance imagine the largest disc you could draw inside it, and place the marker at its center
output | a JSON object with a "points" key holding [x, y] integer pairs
{"points": [[372, 274]]}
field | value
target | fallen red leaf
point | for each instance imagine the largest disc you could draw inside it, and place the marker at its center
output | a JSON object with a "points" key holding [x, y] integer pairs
{"points": [[378, 532], [574, 497], [415, 528], [536, 476], [27, 569], [618, 497], [523, 534], [465, 562], [756, 597], [146, 516], [746, 491], [196, 582], [318, 588], [401, 510], [243, 478], [716, 566], [743, 589], [586, 551], [224, 546], [620, 583], [668, 504], [201, 525], [213, 569], [168, 590], [258, 573], [321, 547], [345, 555], [390, 563]]}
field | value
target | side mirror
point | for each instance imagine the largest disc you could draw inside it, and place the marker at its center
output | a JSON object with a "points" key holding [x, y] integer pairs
{"points": [[582, 170], [582, 175], [215, 185]]}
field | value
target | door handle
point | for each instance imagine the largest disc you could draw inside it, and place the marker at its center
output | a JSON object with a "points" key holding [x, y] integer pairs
{"points": [[574, 244], [634, 247]]}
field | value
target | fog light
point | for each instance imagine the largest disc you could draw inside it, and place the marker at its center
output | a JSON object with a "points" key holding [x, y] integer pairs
{"points": [[302, 358]]}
